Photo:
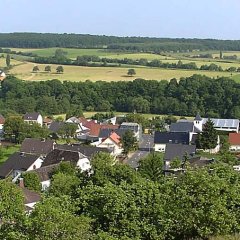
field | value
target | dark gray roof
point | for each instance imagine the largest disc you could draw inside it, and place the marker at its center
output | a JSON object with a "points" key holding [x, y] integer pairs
{"points": [[182, 126], [31, 116], [17, 161], [171, 137], [56, 156], [45, 173], [88, 151], [178, 151], [104, 133], [37, 146], [198, 117], [30, 196], [55, 126], [199, 161]]}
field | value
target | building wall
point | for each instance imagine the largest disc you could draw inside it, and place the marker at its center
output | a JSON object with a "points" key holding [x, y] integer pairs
{"points": [[234, 148], [108, 143], [159, 147], [36, 164], [84, 164], [45, 185]]}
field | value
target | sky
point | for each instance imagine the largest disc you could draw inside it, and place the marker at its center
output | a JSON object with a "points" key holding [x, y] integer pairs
{"points": [[219, 19]]}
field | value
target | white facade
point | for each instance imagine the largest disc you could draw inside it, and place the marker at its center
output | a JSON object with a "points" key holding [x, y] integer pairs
{"points": [[84, 164], [39, 120], [109, 143], [234, 148], [159, 147], [45, 185]]}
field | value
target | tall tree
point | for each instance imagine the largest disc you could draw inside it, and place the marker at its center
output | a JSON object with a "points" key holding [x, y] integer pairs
{"points": [[8, 60], [59, 69], [208, 138], [129, 142], [35, 69], [47, 68], [131, 72]]}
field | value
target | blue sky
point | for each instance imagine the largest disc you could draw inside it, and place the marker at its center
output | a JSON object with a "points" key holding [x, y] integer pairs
{"points": [[158, 18]]}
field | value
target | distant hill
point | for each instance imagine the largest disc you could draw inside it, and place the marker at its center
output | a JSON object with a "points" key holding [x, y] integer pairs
{"points": [[134, 44]]}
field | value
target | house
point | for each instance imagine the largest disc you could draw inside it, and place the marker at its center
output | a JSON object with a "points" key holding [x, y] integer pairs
{"points": [[234, 141], [88, 151], [226, 125], [179, 151], [31, 118], [19, 162], [81, 129], [163, 138], [45, 174], [113, 141], [2, 75], [185, 126], [30, 197], [74, 157], [135, 127], [37, 146], [54, 127]]}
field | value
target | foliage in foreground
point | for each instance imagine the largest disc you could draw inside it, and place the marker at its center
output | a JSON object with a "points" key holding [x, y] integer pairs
{"points": [[117, 202]]}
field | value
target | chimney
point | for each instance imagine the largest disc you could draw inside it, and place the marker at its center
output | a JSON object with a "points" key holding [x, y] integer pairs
{"points": [[21, 183]]}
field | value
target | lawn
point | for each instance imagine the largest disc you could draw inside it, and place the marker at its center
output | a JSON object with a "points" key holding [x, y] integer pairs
{"points": [[147, 115], [79, 73], [13, 62], [5, 152]]}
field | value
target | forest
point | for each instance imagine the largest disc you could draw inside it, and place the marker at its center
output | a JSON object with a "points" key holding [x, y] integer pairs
{"points": [[134, 44], [210, 97]]}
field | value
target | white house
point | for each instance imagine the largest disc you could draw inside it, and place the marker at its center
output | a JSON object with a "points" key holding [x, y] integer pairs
{"points": [[18, 163], [112, 142], [161, 139], [31, 118]]}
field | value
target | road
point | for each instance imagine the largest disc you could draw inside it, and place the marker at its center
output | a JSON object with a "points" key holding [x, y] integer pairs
{"points": [[144, 149]]}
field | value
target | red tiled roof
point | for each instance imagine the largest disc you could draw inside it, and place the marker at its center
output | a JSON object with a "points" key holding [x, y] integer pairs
{"points": [[115, 138], [234, 138], [94, 129]]}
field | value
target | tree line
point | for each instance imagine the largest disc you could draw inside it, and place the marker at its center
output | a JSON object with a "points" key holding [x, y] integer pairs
{"points": [[95, 61], [136, 44], [118, 202], [210, 97]]}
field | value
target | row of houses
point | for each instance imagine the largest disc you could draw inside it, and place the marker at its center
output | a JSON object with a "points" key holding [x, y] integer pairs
{"points": [[180, 141], [42, 157]]}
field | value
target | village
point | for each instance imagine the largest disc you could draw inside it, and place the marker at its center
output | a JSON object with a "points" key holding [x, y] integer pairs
{"points": [[177, 143]]}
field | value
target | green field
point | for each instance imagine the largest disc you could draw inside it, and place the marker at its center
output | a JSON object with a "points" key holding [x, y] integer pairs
{"points": [[23, 68], [78, 73], [7, 151]]}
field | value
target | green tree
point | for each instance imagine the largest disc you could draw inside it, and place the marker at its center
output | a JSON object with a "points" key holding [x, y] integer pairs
{"points": [[221, 55], [59, 69], [208, 138], [64, 184], [176, 163], [60, 54], [12, 211], [47, 68], [151, 167], [32, 181], [131, 72], [54, 219], [35, 69], [8, 60], [68, 130], [129, 142], [13, 128]]}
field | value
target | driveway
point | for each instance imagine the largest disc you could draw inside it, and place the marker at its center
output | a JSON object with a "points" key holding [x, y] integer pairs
{"points": [[145, 147]]}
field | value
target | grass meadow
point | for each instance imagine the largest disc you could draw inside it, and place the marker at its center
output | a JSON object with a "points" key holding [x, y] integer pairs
{"points": [[79, 73]]}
